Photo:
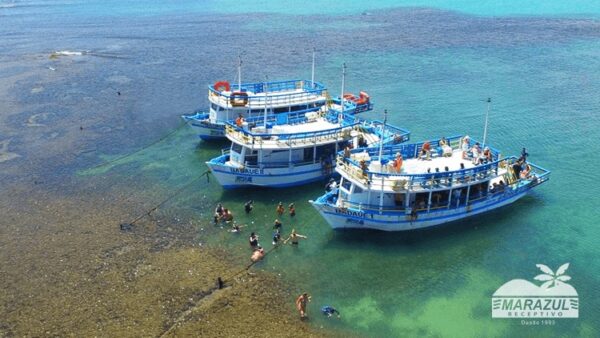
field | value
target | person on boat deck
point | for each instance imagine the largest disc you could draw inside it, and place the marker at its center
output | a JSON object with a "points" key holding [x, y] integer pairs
{"points": [[301, 303], [248, 206], [443, 142], [517, 168], [524, 155], [476, 153], [526, 171], [464, 146], [495, 188], [280, 209], [398, 162], [330, 185], [253, 240], [277, 225], [329, 311], [292, 210], [239, 121], [294, 237], [346, 154], [426, 150], [258, 254], [364, 167], [362, 142], [487, 155]]}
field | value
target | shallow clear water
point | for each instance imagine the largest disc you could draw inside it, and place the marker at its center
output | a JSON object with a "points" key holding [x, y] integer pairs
{"points": [[430, 68]]}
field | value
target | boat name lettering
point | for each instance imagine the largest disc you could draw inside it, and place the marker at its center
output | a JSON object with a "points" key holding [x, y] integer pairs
{"points": [[345, 211], [246, 171]]}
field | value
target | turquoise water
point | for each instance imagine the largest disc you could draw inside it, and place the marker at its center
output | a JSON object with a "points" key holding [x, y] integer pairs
{"points": [[432, 70]]}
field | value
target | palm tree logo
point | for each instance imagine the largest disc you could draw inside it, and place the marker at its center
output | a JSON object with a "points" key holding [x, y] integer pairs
{"points": [[551, 279]]}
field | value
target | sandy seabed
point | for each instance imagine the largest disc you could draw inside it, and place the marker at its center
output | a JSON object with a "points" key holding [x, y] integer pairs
{"points": [[67, 267]]}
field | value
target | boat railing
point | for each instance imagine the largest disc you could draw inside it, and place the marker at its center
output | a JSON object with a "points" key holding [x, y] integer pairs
{"points": [[278, 93], [350, 107], [247, 137], [225, 151], [278, 164], [293, 117]]}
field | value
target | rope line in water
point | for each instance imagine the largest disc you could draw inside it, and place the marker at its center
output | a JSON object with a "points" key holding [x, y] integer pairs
{"points": [[141, 149], [166, 200]]}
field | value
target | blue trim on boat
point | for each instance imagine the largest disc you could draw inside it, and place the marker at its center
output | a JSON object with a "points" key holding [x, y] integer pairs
{"points": [[282, 185], [267, 175], [463, 213], [211, 137]]}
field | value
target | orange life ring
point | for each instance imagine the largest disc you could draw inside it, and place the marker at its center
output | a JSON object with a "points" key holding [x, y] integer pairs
{"points": [[222, 86], [349, 96]]}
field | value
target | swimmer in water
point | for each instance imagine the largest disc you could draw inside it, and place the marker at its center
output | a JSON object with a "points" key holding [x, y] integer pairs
{"points": [[301, 303], [292, 210], [330, 311], [253, 240], [276, 237], [280, 209], [258, 254], [294, 237], [248, 206], [277, 225]]}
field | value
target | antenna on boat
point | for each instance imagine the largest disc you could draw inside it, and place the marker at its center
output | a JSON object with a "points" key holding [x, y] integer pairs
{"points": [[343, 84], [266, 92], [382, 135], [240, 72], [312, 77], [487, 113]]}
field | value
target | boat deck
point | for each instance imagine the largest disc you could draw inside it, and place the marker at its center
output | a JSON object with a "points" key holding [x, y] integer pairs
{"points": [[421, 165], [314, 131], [282, 98]]}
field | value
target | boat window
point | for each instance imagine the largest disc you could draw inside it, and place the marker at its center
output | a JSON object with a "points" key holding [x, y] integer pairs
{"points": [[308, 154], [236, 148], [357, 190], [214, 107], [439, 199], [281, 110], [346, 184], [325, 150], [421, 200]]}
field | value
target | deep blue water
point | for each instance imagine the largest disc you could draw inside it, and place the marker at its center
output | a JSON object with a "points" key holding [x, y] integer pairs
{"points": [[431, 65]]}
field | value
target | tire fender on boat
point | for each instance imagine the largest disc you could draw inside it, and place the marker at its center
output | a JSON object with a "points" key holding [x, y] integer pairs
{"points": [[222, 86]]}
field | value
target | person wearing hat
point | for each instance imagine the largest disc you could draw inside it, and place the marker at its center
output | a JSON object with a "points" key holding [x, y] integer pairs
{"points": [[465, 147]]}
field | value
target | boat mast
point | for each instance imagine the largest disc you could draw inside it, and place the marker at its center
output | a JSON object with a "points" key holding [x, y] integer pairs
{"points": [[487, 113], [381, 159], [312, 77], [343, 84], [240, 73], [266, 94]]}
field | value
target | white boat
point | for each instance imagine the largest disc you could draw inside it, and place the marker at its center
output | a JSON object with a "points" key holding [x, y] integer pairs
{"points": [[271, 154], [424, 192], [287, 99]]}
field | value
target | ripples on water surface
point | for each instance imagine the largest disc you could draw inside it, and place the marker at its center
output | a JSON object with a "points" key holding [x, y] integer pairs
{"points": [[430, 68]]}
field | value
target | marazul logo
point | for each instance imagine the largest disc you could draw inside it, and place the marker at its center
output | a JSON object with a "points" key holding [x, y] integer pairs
{"points": [[520, 298]]}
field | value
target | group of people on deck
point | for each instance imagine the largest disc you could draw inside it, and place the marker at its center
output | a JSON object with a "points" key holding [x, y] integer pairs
{"points": [[475, 153]]}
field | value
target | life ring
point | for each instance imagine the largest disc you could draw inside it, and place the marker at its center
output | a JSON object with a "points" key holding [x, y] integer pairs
{"points": [[363, 99], [222, 86], [349, 96], [238, 99]]}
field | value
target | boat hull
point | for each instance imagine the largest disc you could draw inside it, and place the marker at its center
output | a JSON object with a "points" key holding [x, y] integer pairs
{"points": [[340, 218], [205, 129], [231, 177]]}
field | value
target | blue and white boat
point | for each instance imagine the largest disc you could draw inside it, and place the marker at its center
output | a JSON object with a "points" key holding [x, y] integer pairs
{"points": [[229, 101], [297, 150], [377, 191]]}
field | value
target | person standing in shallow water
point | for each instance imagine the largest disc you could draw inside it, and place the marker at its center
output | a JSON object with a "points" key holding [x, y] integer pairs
{"points": [[248, 206], [301, 303], [292, 209], [280, 209]]}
